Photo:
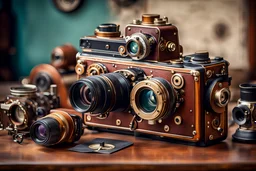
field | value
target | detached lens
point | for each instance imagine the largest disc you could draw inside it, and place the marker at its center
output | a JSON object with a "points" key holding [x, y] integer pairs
{"points": [[56, 128]]}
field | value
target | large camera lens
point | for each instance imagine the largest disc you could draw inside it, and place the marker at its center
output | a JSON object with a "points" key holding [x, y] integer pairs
{"points": [[147, 100], [139, 45], [57, 127], [101, 93], [153, 99], [17, 114]]}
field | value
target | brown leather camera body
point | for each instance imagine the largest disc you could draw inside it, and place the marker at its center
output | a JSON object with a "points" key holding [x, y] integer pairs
{"points": [[193, 110]]}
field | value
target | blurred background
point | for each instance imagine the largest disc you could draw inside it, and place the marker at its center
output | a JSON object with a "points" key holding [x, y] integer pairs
{"points": [[30, 30]]}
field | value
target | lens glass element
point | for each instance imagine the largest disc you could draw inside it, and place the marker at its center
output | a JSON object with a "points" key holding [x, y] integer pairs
{"points": [[86, 95], [17, 114], [147, 100], [41, 132], [133, 47]]}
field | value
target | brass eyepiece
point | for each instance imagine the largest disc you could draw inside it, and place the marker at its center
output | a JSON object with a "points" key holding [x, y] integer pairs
{"points": [[222, 97]]}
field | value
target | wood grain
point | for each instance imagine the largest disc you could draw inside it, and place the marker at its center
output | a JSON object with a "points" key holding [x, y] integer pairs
{"points": [[145, 154]]}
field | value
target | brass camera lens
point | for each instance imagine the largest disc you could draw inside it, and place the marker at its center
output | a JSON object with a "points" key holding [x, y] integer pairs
{"points": [[139, 45], [57, 127], [222, 97], [100, 93], [17, 114], [153, 99]]}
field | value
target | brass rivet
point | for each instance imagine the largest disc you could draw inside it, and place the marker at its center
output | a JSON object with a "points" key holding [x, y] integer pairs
{"points": [[129, 29], [190, 110], [211, 137], [220, 85], [88, 117], [160, 120], [192, 126], [196, 78], [118, 122], [166, 128]]}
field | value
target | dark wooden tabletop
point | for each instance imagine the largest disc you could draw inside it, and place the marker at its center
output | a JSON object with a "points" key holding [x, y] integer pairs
{"points": [[145, 154]]}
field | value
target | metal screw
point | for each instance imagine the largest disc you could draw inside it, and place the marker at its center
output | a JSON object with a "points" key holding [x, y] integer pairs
{"points": [[211, 137], [129, 28], [220, 85]]}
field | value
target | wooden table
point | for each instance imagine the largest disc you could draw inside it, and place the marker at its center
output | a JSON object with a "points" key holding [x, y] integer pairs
{"points": [[145, 154]]}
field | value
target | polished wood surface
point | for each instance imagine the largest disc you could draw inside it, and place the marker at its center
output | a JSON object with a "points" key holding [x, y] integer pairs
{"points": [[145, 154]]}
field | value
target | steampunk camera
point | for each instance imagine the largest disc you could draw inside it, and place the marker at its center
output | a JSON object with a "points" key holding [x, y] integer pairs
{"points": [[244, 114], [23, 106], [146, 85]]}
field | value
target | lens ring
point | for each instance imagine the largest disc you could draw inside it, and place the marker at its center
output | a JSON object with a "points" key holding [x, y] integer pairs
{"points": [[222, 97], [18, 115], [165, 98], [143, 46]]}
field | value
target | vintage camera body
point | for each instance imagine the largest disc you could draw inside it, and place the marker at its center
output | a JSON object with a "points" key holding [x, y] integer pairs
{"points": [[24, 105], [244, 114], [160, 94], [191, 108]]}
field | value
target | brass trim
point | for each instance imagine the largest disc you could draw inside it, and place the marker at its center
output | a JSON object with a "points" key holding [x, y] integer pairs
{"points": [[181, 137], [96, 69], [161, 96], [135, 64], [177, 81], [220, 97]]}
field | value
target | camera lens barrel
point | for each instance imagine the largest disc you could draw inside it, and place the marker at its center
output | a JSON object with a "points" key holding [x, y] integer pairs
{"points": [[241, 114], [248, 92], [100, 94], [55, 128]]}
